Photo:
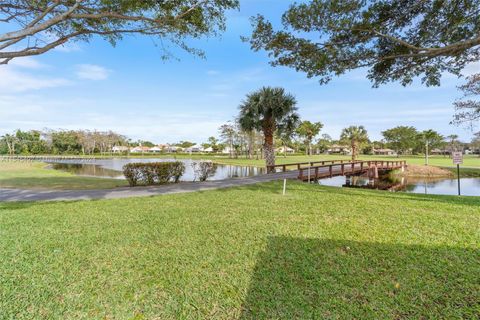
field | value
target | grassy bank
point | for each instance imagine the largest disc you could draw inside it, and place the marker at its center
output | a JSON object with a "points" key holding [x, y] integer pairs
{"points": [[35, 175], [243, 253]]}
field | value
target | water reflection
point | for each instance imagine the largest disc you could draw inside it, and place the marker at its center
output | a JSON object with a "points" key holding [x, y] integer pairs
{"points": [[448, 186], [112, 168]]}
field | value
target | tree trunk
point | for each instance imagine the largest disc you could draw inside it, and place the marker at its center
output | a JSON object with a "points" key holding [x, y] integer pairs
{"points": [[268, 129], [354, 151]]}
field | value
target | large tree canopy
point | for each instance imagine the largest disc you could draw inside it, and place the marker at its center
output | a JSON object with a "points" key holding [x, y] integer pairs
{"points": [[32, 27], [396, 40], [468, 107]]}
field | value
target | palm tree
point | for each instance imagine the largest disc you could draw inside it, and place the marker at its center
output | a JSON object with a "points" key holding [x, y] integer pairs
{"points": [[309, 130], [355, 136], [431, 139], [266, 110]]}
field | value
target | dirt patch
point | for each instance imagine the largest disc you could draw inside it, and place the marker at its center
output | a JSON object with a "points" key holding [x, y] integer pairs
{"points": [[425, 171]]}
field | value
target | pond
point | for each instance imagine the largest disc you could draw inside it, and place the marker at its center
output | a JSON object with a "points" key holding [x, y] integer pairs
{"points": [[445, 186], [112, 168]]}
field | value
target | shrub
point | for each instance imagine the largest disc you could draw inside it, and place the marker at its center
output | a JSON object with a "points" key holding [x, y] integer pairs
{"points": [[204, 169], [153, 173], [132, 173], [177, 170]]}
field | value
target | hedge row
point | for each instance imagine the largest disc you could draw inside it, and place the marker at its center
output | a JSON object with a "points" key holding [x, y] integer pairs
{"points": [[153, 173]]}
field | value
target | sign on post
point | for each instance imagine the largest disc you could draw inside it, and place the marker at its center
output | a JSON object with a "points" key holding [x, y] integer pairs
{"points": [[457, 157]]}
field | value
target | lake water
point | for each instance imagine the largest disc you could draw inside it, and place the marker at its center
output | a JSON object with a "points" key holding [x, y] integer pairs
{"points": [[468, 186], [112, 168]]}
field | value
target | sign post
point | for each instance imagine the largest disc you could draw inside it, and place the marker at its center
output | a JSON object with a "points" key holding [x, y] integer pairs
{"points": [[458, 160]]}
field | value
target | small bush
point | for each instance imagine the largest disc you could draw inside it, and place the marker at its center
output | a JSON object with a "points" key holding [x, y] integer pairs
{"points": [[204, 169], [153, 173]]}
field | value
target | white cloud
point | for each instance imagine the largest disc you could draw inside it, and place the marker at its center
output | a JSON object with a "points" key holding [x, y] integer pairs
{"points": [[27, 63], [92, 72], [14, 80]]}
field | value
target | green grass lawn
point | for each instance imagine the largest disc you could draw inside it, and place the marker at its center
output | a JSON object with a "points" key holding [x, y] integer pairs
{"points": [[243, 253], [35, 175]]}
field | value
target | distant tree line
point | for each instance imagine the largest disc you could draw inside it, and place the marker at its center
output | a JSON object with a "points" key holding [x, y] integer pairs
{"points": [[294, 135], [47, 141]]}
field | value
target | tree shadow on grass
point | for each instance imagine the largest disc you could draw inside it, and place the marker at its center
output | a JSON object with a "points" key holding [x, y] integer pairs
{"points": [[298, 278]]}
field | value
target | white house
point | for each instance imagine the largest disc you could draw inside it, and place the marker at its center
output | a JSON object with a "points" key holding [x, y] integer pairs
{"points": [[336, 148], [155, 149], [195, 148], [120, 149], [139, 149], [384, 152], [228, 150], [284, 150], [172, 149], [208, 150]]}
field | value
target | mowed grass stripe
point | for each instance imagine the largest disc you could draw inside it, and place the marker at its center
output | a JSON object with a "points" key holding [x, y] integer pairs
{"points": [[246, 253]]}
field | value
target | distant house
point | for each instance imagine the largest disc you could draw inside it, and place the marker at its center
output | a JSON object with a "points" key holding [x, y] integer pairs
{"points": [[228, 150], [338, 149], [173, 149], [384, 152], [439, 152], [195, 148], [118, 149], [284, 150], [139, 149], [208, 150], [155, 149]]}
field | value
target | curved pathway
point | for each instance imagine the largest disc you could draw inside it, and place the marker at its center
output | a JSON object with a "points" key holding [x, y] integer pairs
{"points": [[72, 195]]}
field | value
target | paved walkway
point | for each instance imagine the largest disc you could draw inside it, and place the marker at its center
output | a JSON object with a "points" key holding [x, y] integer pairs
{"points": [[72, 195]]}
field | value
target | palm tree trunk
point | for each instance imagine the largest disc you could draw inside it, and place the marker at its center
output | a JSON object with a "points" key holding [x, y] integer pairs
{"points": [[268, 144], [354, 151]]}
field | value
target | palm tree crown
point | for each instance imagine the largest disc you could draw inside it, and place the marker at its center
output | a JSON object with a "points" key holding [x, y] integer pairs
{"points": [[266, 110], [355, 136]]}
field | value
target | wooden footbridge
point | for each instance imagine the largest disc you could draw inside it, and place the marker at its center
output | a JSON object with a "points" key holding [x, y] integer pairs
{"points": [[308, 171]]}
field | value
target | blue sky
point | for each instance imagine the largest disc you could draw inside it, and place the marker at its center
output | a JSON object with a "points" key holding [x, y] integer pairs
{"points": [[131, 90]]}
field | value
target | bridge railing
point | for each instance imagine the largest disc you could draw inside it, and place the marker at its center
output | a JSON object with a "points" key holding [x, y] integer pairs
{"points": [[298, 165], [351, 167]]}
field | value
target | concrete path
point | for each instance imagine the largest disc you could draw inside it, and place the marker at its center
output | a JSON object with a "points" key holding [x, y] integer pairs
{"points": [[72, 195]]}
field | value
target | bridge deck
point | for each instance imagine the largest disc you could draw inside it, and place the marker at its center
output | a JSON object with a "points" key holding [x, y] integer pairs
{"points": [[339, 168]]}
